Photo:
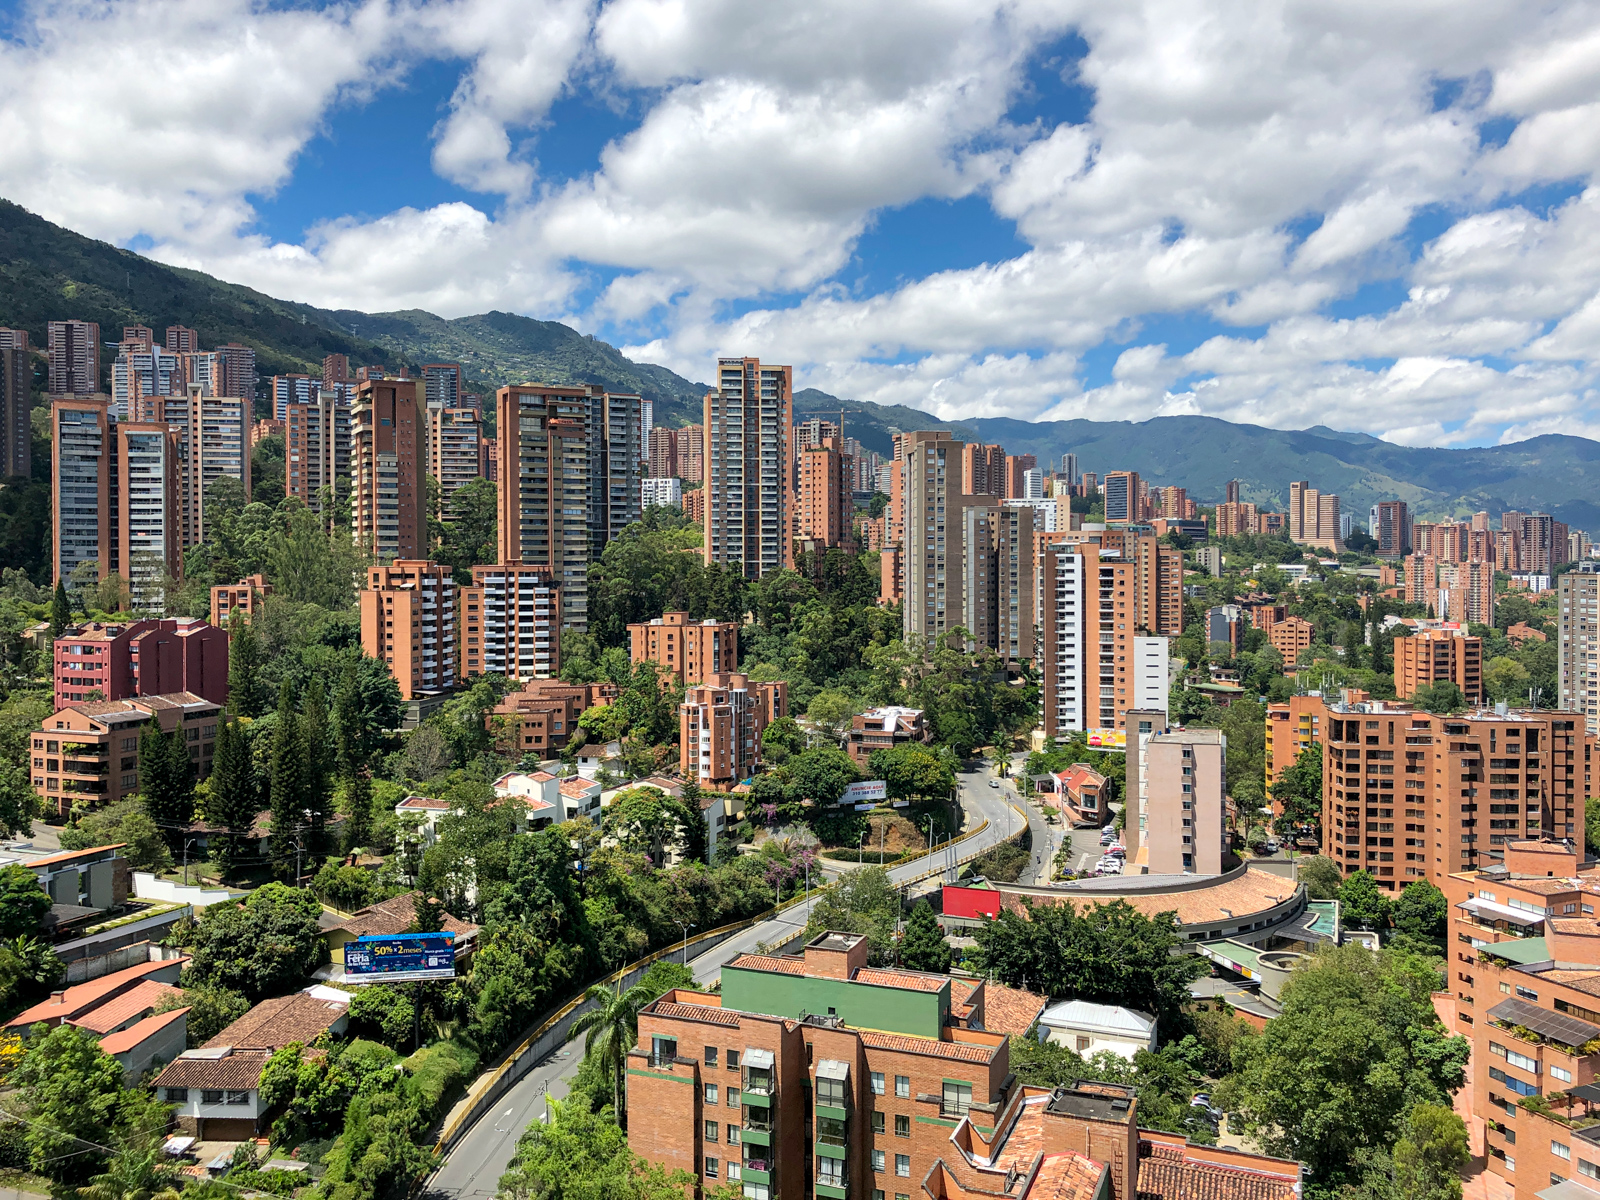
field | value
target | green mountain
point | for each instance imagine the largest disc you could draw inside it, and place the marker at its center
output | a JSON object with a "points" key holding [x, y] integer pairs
{"points": [[48, 273]]}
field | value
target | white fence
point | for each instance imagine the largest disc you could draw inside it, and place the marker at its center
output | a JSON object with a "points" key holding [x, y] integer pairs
{"points": [[147, 887]]}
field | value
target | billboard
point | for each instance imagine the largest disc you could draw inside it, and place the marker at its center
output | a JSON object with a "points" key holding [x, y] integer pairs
{"points": [[1107, 739], [871, 789], [400, 958]]}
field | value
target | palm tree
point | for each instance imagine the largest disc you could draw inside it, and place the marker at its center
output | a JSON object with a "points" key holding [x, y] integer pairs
{"points": [[612, 1026]]}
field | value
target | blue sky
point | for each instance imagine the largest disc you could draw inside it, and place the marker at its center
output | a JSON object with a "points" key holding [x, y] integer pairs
{"points": [[1034, 210]]}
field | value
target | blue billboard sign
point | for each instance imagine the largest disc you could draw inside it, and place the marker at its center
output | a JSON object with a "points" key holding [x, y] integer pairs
{"points": [[400, 958]]}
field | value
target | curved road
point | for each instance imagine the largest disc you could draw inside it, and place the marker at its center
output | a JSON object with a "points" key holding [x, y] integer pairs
{"points": [[472, 1168]]}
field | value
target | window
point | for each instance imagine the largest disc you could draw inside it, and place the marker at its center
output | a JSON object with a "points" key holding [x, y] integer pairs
{"points": [[830, 1171], [830, 1131], [1561, 1150], [238, 1097], [733, 1169], [733, 1060], [830, 1092], [957, 1099], [711, 1093], [902, 1165], [877, 1122], [757, 1191], [177, 1095], [663, 1051], [711, 1056], [1523, 1061], [1562, 1074], [731, 1134], [1511, 1163], [902, 1086], [1083, 1044], [711, 1131], [711, 1168], [878, 1160], [877, 1083], [733, 1097], [211, 1096], [877, 1194], [902, 1126], [1588, 1169]]}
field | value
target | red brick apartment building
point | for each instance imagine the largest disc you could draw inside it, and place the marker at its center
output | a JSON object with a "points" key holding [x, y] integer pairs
{"points": [[141, 658], [408, 622], [542, 716], [243, 597], [884, 729], [692, 651], [720, 723], [88, 752], [815, 1074], [1413, 795], [1524, 979]]}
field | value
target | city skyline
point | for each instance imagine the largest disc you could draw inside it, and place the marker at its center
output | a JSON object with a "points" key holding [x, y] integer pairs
{"points": [[987, 213]]}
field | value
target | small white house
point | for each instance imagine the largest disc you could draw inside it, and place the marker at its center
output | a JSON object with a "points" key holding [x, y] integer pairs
{"points": [[429, 810], [1087, 1028]]}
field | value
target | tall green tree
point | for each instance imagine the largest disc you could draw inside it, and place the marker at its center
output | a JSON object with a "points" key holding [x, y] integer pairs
{"points": [[166, 777], [19, 803], [1362, 904], [246, 694], [1431, 1154], [23, 903], [235, 799], [610, 1029], [264, 947], [289, 786], [1421, 914], [321, 754], [924, 947], [60, 609], [1322, 877], [72, 1093], [1298, 791]]}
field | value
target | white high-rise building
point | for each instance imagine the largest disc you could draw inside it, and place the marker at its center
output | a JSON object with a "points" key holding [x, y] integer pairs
{"points": [[1578, 643], [1033, 484], [1151, 680], [143, 371], [655, 493], [1063, 650]]}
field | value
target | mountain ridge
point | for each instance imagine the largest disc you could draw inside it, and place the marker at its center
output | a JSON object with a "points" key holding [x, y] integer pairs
{"points": [[50, 273]]}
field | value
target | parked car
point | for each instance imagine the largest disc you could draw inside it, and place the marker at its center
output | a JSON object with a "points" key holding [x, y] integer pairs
{"points": [[1109, 866], [1202, 1103], [1109, 836], [994, 783], [1116, 852], [1272, 846]]}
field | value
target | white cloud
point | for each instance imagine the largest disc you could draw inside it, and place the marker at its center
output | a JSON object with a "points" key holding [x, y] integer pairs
{"points": [[1248, 165]]}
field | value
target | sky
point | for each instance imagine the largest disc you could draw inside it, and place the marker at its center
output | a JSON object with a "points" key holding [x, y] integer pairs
{"points": [[1378, 216]]}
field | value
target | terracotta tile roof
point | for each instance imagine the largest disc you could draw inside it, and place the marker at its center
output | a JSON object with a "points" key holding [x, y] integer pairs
{"points": [[915, 1045], [1171, 1175], [427, 802], [1068, 1176], [1587, 982], [1010, 1010], [84, 996], [909, 981], [575, 788], [1544, 887], [273, 1024], [1247, 893], [141, 999], [396, 915], [696, 1012], [238, 1070], [65, 856], [1538, 847], [1582, 926], [961, 989], [126, 1039], [769, 962], [541, 777]]}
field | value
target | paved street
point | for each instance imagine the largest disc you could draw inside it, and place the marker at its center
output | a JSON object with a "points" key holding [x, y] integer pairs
{"points": [[472, 1169]]}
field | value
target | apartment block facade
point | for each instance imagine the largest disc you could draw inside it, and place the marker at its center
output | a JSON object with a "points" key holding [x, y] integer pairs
{"points": [[1292, 726], [138, 658], [149, 510], [83, 478], [541, 716], [823, 511], [87, 752], [1185, 826], [1413, 795], [1390, 527], [16, 403], [983, 470], [408, 622], [74, 350], [691, 651], [1314, 517], [749, 422], [1578, 643], [511, 622], [244, 598], [1432, 656], [441, 386], [386, 441], [933, 496], [720, 723], [291, 389], [997, 583], [453, 454]]}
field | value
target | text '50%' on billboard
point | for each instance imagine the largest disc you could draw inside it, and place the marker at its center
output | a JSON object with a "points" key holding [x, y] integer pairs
{"points": [[400, 958]]}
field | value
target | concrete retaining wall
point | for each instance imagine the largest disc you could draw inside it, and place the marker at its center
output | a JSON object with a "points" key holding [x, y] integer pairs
{"points": [[147, 887]]}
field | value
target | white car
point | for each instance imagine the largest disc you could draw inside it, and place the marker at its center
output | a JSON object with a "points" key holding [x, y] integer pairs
{"points": [[1109, 866], [994, 783]]}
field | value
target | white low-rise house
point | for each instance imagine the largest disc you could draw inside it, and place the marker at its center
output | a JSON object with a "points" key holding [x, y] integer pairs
{"points": [[1087, 1029], [579, 797], [429, 810], [593, 757], [216, 1092]]}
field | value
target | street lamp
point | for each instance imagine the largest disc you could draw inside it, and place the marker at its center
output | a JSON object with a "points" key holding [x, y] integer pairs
{"points": [[189, 842], [685, 928]]}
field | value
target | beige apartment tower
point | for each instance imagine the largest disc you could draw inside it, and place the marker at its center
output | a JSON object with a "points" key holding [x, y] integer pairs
{"points": [[1186, 815], [748, 426]]}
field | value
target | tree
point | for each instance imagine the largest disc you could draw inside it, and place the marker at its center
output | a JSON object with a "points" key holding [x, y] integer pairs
{"points": [[1298, 791], [19, 803], [1441, 696], [140, 1170], [1357, 1046], [211, 1009], [234, 799], [1322, 877], [1431, 1154], [166, 776], [319, 748], [23, 903], [579, 1153], [924, 947], [864, 901], [1361, 904], [27, 967], [290, 784], [830, 711], [60, 610], [914, 772], [1109, 954], [781, 740], [610, 1029], [145, 847], [71, 1090], [261, 948], [1422, 913], [246, 694]]}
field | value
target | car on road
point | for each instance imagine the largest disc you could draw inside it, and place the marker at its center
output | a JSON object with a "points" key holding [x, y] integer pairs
{"points": [[1109, 836], [1272, 846], [994, 783], [1116, 851], [1109, 866], [1202, 1103]]}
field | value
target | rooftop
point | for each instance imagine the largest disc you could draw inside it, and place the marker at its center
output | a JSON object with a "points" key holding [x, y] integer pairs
{"points": [[66, 856], [142, 998], [396, 915], [218, 1067], [126, 1039], [273, 1024], [73, 1001]]}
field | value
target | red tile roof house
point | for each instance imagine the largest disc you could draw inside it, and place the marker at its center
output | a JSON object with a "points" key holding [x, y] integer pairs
{"points": [[1078, 793], [216, 1092], [75, 1005], [156, 1039]]}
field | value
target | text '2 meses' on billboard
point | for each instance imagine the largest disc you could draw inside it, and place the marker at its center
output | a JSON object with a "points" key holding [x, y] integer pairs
{"points": [[402, 957]]}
